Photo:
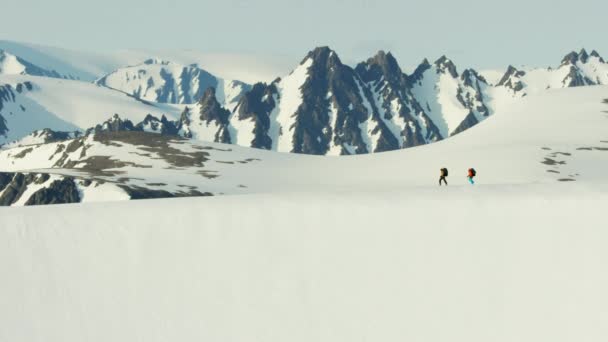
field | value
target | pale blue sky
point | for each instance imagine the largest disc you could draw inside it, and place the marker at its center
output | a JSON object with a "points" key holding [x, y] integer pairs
{"points": [[477, 33]]}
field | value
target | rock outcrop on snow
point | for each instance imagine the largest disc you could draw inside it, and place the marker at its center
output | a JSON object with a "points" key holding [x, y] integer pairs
{"points": [[576, 69], [323, 107]]}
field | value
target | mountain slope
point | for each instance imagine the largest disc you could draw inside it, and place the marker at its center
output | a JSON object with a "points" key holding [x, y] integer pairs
{"points": [[323, 107], [13, 65], [561, 137], [328, 249], [454, 102], [576, 69], [31, 103], [89, 66], [526, 263], [167, 82], [326, 107]]}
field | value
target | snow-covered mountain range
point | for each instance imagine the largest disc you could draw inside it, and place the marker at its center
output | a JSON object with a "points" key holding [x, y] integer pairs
{"points": [[322, 107], [560, 137], [13, 65], [167, 82], [575, 70], [317, 248]]}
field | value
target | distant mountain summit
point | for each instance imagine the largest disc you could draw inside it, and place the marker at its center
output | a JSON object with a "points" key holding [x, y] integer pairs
{"points": [[13, 65], [323, 107], [162, 81], [576, 69]]}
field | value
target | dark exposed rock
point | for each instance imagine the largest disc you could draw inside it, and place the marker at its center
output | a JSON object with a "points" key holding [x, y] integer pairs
{"points": [[576, 79], [418, 74], [583, 57], [176, 86], [473, 100], [386, 78], [162, 126], [472, 78], [59, 191], [13, 185], [115, 124], [138, 193], [311, 134], [332, 89], [3, 127], [211, 110], [257, 105], [6, 94], [444, 64], [597, 55], [467, 123], [21, 87], [46, 135], [151, 142], [511, 79], [570, 58]]}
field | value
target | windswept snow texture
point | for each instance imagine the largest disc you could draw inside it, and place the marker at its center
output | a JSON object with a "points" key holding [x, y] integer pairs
{"points": [[516, 263]]}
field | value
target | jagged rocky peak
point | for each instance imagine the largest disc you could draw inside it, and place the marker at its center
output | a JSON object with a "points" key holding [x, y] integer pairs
{"points": [[323, 55], [163, 126], [381, 65], [471, 76], [511, 72], [321, 60], [114, 124], [444, 64], [595, 54], [511, 79], [583, 57], [386, 61], [151, 61], [418, 73], [211, 109]]}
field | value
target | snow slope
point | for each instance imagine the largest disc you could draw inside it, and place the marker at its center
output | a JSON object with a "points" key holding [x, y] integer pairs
{"points": [[513, 263], [10, 64], [334, 249], [576, 69], [559, 135], [167, 82], [68, 105], [89, 66]]}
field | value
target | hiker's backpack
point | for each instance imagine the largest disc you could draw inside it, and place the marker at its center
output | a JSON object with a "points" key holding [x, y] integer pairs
{"points": [[445, 172], [472, 172]]}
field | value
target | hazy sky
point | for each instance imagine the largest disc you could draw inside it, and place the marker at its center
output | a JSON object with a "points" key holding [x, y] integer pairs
{"points": [[477, 33]]}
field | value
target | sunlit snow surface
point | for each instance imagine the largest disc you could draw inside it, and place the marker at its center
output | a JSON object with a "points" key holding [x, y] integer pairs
{"points": [[67, 105], [327, 248]]}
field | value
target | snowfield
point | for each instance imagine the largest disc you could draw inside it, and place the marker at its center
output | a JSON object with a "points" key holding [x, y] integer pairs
{"points": [[70, 105], [311, 248], [491, 263]]}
